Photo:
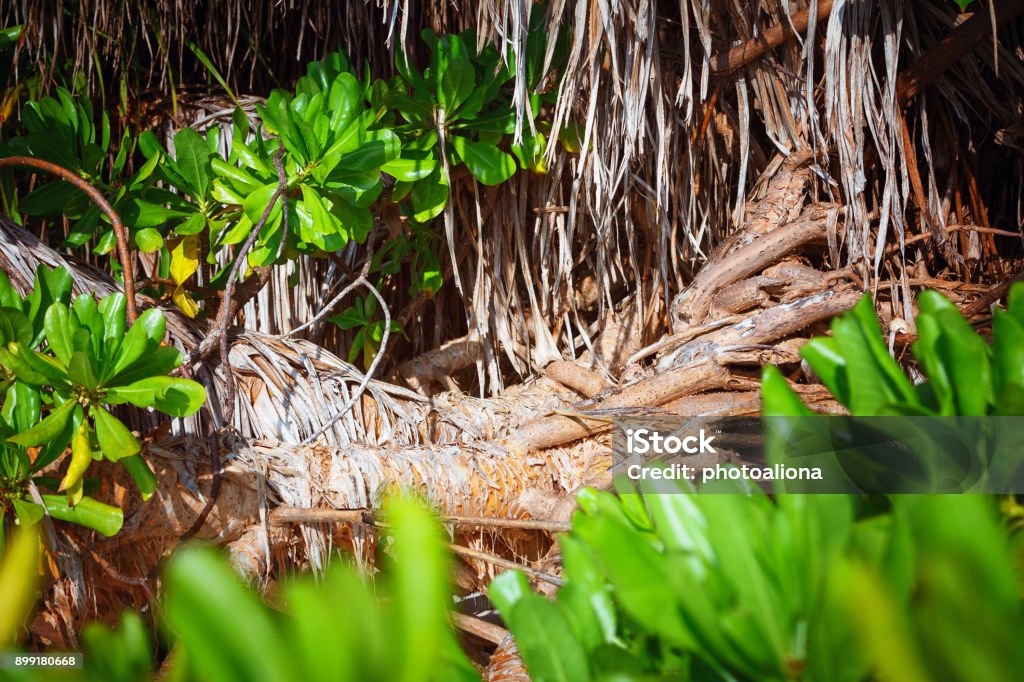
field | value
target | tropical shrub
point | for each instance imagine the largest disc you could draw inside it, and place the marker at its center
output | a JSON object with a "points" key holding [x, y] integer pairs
{"points": [[63, 364], [736, 587], [813, 587], [351, 148], [339, 627], [965, 375]]}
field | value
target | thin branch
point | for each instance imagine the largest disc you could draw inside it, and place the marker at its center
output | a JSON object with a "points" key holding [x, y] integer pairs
{"points": [[287, 515], [478, 627], [326, 310], [500, 562], [227, 311], [97, 198], [369, 372]]}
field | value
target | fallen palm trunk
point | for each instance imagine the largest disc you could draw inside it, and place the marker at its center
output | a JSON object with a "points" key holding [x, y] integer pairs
{"points": [[483, 479]]}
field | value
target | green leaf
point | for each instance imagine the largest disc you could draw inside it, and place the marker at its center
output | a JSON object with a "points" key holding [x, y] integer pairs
{"points": [[192, 159], [228, 634], [88, 313], [951, 349], [60, 327], [372, 154], [777, 398], [55, 448], [194, 224], [48, 429], [584, 596], [874, 377], [452, 72], [171, 395], [20, 577], [257, 202], [21, 408], [112, 308], [429, 197], [88, 512], [138, 213], [15, 326], [81, 371], [1008, 363], [145, 335], [487, 163], [115, 440], [149, 240], [156, 362], [145, 479], [28, 513], [409, 169], [542, 633]]}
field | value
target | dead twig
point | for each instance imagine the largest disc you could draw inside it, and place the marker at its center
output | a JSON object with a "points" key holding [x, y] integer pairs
{"points": [[361, 388], [286, 515], [498, 561], [478, 627]]}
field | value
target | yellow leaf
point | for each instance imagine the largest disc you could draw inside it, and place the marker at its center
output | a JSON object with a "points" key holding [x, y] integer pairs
{"points": [[187, 304], [184, 263], [81, 457], [185, 259], [75, 492]]}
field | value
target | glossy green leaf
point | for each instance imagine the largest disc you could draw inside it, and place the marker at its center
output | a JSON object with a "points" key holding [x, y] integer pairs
{"points": [[28, 513], [410, 169], [487, 163], [20, 578], [429, 197], [81, 371], [229, 635], [115, 440], [15, 326], [192, 158], [105, 519], [543, 634], [777, 398], [60, 326], [112, 309], [48, 428], [149, 240], [145, 479], [21, 408], [256, 203], [194, 224], [156, 361], [170, 395], [145, 335]]}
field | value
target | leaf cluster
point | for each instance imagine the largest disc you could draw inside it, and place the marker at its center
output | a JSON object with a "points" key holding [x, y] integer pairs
{"points": [[671, 584], [63, 365], [353, 146], [339, 627]]}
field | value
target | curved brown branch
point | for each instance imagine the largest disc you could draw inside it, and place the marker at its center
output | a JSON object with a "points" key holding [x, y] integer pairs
{"points": [[97, 198]]}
